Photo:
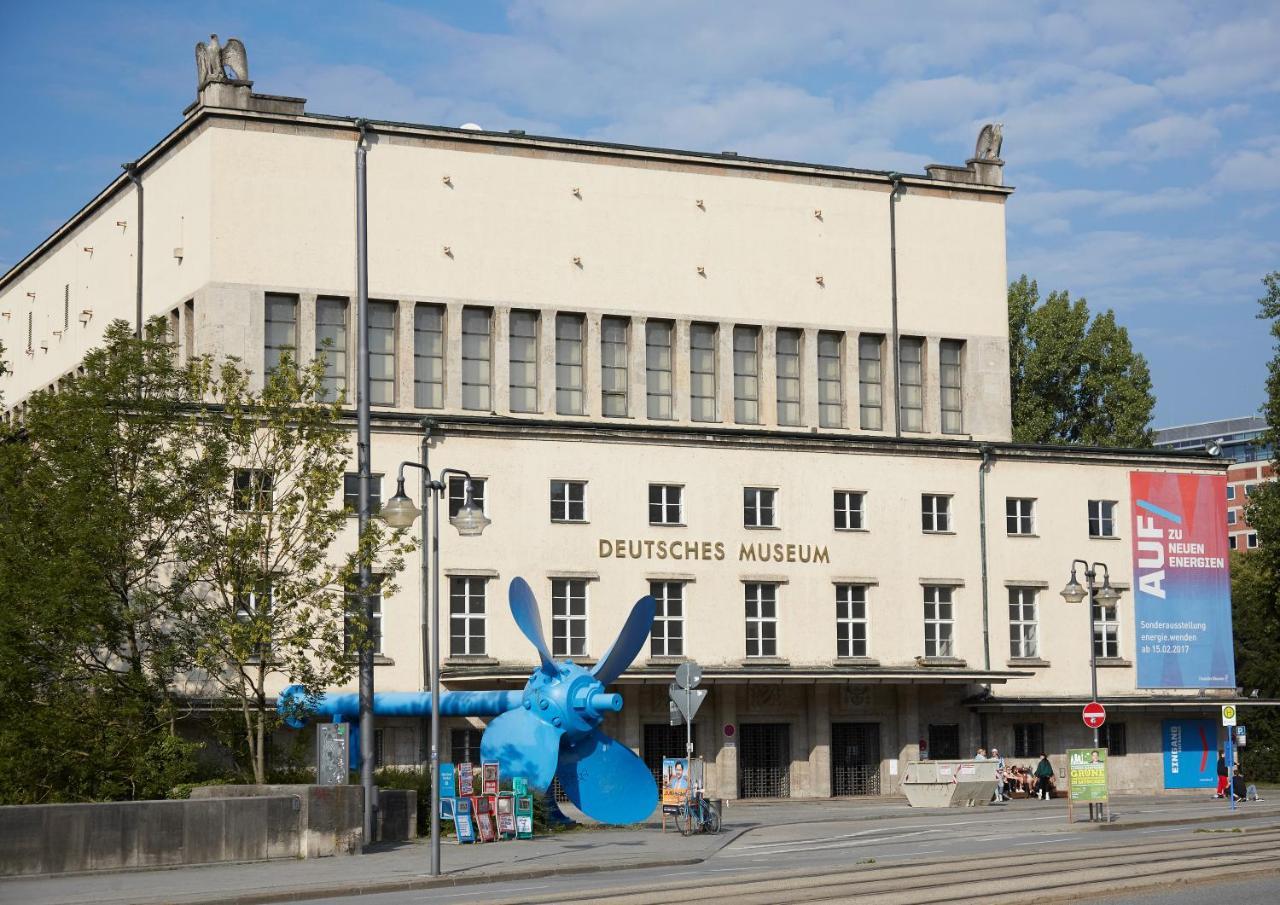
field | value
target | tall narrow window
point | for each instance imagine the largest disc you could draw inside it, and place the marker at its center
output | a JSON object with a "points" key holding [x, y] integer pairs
{"points": [[1028, 739], [568, 617], [950, 359], [666, 639], [657, 340], [253, 610], [188, 328], [1024, 639], [382, 353], [569, 339], [524, 361], [830, 380], [281, 330], [352, 595], [466, 616], [870, 383], [702, 372], [762, 619], [788, 359], [331, 342], [614, 369], [911, 383], [746, 375], [428, 356], [1106, 631], [938, 622], [851, 620], [477, 357]]}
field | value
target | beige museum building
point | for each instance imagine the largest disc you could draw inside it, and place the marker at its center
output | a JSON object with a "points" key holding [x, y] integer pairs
{"points": [[675, 373]]}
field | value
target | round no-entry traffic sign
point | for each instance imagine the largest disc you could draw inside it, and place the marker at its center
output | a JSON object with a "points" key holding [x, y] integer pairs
{"points": [[1094, 714]]}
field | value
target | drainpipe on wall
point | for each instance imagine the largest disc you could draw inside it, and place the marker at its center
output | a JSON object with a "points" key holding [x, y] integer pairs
{"points": [[983, 466], [131, 170], [895, 182]]}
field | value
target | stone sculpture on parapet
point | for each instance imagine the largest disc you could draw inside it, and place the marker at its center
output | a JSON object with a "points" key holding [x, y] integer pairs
{"points": [[213, 61], [989, 141]]}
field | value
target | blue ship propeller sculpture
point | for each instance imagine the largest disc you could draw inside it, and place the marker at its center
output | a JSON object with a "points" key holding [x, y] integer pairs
{"points": [[551, 730]]}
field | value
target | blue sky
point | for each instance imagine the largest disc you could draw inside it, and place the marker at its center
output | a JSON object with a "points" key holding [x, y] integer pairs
{"points": [[1143, 137]]}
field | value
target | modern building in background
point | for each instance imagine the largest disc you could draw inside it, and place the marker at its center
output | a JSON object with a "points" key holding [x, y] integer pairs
{"points": [[773, 395], [1239, 441]]}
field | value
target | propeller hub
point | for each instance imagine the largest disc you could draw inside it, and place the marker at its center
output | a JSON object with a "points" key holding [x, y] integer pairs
{"points": [[570, 699]]}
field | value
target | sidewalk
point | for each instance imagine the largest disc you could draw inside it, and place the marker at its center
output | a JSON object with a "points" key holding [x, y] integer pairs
{"points": [[403, 866]]}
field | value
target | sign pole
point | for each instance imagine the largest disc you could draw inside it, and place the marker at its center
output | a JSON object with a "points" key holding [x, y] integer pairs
{"points": [[688, 724]]}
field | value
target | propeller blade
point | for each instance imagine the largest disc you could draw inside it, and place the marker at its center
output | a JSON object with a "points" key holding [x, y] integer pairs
{"points": [[606, 781], [523, 745], [524, 607], [628, 643]]}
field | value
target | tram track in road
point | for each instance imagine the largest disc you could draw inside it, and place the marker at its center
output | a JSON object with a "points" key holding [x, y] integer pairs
{"points": [[1030, 876]]}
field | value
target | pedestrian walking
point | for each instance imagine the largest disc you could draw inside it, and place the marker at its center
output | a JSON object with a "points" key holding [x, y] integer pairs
{"points": [[999, 759], [1224, 776], [1044, 775]]}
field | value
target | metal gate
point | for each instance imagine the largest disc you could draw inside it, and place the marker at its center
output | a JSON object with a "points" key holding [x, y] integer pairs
{"points": [[855, 759], [662, 740], [764, 760]]}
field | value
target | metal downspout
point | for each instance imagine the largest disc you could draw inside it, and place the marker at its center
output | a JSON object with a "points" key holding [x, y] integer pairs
{"points": [[895, 182], [131, 170], [983, 466]]}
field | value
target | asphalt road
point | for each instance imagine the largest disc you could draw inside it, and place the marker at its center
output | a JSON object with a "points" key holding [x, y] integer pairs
{"points": [[981, 856]]}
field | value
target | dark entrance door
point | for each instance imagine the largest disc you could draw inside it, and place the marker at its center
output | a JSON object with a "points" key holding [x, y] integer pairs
{"points": [[764, 760], [855, 759], [662, 740]]}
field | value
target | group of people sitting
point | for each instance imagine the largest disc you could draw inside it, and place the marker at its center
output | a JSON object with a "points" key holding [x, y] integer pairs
{"points": [[1235, 784], [1010, 779]]}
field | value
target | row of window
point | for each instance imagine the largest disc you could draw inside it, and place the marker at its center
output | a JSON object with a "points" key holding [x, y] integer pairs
{"points": [[1250, 541], [477, 384], [1028, 740], [1248, 490]]}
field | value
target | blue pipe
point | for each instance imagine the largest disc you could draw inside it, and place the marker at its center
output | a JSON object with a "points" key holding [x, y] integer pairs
{"points": [[295, 709]]}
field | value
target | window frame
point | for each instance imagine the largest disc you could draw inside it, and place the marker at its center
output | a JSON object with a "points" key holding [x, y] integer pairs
{"points": [[526, 365], [654, 350], [567, 502], [1028, 740], [351, 492], [746, 374], [847, 512], [703, 371], [660, 636], [911, 381], [469, 616], [565, 593], [1102, 519], [665, 504], [351, 593], [1106, 631], [571, 374], [610, 370], [335, 379], [1024, 644], [943, 632], [423, 386], [457, 491], [756, 508], [940, 515], [830, 388], [847, 622], [377, 385], [765, 626], [871, 382], [258, 482], [1020, 516], [951, 385], [479, 383], [271, 351], [789, 377]]}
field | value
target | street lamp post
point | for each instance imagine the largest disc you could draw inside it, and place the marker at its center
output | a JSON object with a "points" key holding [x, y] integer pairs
{"points": [[470, 521], [1106, 595]]}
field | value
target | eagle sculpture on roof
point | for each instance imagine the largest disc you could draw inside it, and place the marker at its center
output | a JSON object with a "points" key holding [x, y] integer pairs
{"points": [[213, 60]]}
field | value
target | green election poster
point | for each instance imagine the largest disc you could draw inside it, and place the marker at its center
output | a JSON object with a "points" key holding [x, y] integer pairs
{"points": [[1087, 774]]}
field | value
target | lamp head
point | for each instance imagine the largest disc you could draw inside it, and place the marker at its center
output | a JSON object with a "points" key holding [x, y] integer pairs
{"points": [[470, 519], [1074, 591], [1106, 595], [399, 511]]}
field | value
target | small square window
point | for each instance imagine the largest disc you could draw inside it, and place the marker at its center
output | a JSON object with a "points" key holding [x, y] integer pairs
{"points": [[849, 512], [254, 489], [568, 501], [351, 492], [758, 507], [1102, 518], [1113, 737], [666, 504], [1020, 516], [458, 494], [935, 515]]}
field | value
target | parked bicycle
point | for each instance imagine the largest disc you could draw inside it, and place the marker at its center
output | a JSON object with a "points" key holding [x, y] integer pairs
{"points": [[697, 814]]}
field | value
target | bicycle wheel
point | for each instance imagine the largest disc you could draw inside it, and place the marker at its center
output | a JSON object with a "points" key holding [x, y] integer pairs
{"points": [[712, 822], [682, 820]]}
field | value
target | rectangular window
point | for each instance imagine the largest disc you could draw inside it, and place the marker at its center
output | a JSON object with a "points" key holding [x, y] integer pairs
{"points": [[1233, 516], [1019, 515], [614, 367], [428, 356], [1106, 631], [353, 606], [1248, 489], [188, 328], [702, 372], [568, 501], [1023, 634], [849, 511], [950, 368], [851, 620], [253, 609], [351, 492], [253, 490], [1113, 737], [466, 616], [331, 342], [570, 330], [870, 382], [789, 370], [911, 383], [830, 380], [667, 637], [458, 493], [657, 364], [1102, 518], [1028, 739], [382, 353], [944, 741], [746, 375], [281, 331], [666, 506], [524, 361], [758, 507], [935, 513], [938, 622], [477, 359], [1231, 495], [569, 617], [1231, 542], [762, 619], [1251, 540]]}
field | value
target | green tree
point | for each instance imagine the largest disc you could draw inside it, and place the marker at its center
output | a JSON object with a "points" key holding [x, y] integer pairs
{"points": [[267, 601], [1074, 380], [95, 490]]}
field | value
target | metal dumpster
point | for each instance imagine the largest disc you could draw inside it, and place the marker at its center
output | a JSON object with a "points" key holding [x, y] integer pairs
{"points": [[949, 783]]}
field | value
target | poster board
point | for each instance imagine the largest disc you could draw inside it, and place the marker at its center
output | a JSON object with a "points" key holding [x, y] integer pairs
{"points": [[524, 817], [507, 815], [460, 812], [489, 779], [520, 786], [466, 780], [675, 783], [485, 830], [1086, 777], [448, 781]]}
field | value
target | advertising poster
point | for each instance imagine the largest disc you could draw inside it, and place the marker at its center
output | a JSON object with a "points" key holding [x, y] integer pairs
{"points": [[489, 779], [524, 817], [462, 824], [506, 814], [448, 781], [484, 819], [1190, 754], [1181, 586], [466, 780], [1087, 774], [675, 783]]}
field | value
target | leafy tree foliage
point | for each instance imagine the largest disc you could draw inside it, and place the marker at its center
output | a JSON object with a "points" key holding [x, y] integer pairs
{"points": [[1074, 380]]}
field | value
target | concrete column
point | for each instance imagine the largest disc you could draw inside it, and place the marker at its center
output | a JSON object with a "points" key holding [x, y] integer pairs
{"points": [[404, 355], [820, 741], [501, 399], [726, 772], [306, 332], [680, 384], [909, 733], [637, 385], [547, 362], [849, 380], [769, 375], [453, 357], [592, 405], [724, 373], [932, 386], [809, 378]]}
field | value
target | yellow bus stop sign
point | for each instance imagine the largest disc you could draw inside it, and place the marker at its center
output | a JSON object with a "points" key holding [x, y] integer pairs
{"points": [[1228, 714]]}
